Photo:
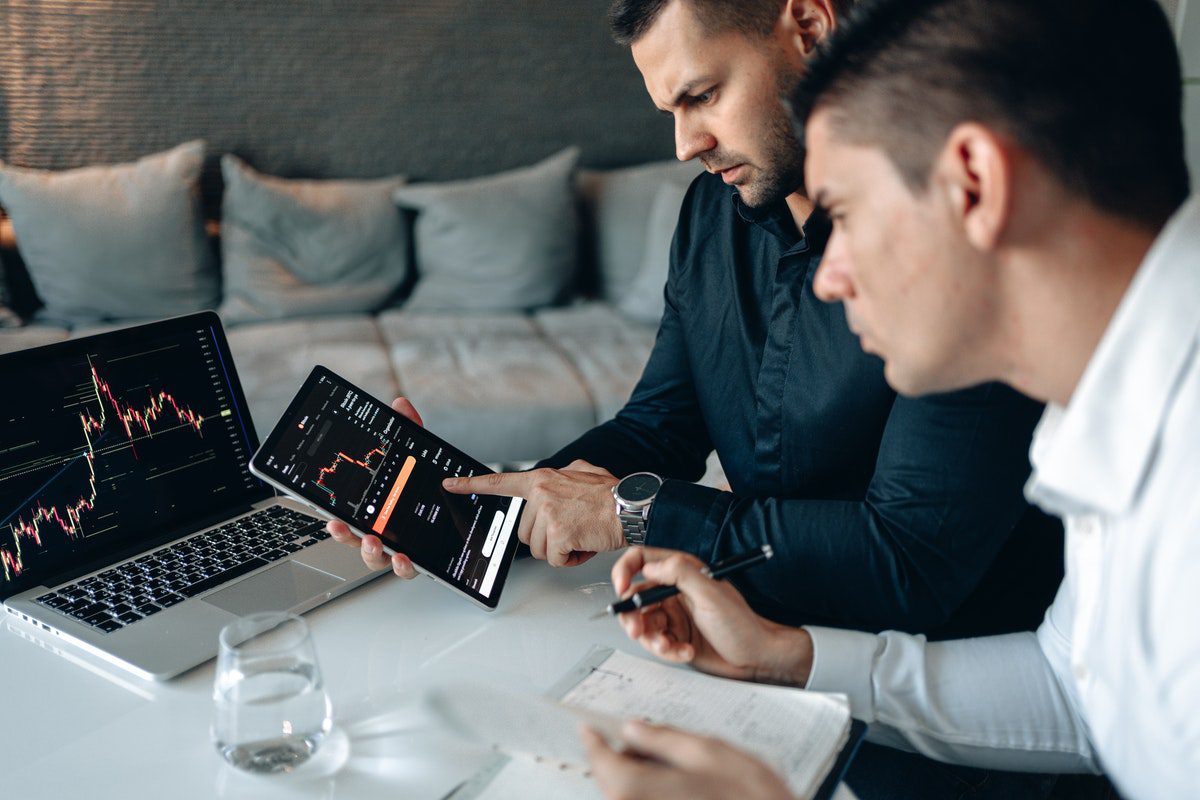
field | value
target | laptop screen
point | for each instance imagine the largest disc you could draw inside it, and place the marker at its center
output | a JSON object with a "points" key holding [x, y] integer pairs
{"points": [[117, 440]]}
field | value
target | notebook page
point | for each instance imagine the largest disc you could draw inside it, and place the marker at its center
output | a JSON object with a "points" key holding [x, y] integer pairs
{"points": [[520, 725], [798, 733], [523, 779]]}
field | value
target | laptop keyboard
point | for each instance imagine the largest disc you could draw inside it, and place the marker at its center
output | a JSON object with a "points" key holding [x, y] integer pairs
{"points": [[140, 588]]}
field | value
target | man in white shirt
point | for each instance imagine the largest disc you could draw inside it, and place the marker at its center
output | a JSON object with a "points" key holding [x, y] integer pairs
{"points": [[1009, 198]]}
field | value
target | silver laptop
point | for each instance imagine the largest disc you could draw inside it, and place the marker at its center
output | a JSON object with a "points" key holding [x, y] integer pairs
{"points": [[130, 525]]}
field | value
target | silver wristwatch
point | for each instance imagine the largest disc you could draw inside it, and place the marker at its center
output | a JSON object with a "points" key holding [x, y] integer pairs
{"points": [[634, 495]]}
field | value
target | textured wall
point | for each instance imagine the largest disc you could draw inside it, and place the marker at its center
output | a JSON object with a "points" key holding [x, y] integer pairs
{"points": [[434, 89]]}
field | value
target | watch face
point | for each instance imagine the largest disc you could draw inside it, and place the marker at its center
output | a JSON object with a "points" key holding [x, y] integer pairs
{"points": [[637, 488]]}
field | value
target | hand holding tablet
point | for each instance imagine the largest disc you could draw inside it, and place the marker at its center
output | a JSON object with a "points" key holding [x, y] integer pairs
{"points": [[371, 546], [354, 459]]}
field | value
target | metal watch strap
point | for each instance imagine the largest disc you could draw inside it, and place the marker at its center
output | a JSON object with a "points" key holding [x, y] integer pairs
{"points": [[634, 510], [633, 526]]}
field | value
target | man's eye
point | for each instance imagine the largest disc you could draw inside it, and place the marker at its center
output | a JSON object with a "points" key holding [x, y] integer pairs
{"points": [[703, 97]]}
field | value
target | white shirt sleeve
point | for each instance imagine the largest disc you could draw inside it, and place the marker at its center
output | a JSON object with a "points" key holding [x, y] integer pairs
{"points": [[994, 702]]}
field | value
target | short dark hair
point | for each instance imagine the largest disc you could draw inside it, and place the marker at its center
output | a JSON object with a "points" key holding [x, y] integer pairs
{"points": [[1102, 116], [630, 19]]}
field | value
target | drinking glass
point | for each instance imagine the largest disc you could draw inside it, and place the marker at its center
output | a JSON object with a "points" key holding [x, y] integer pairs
{"points": [[271, 710]]}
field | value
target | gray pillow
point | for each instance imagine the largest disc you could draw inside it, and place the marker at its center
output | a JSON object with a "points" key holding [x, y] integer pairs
{"points": [[501, 243], [116, 242], [643, 301], [617, 204], [302, 247]]}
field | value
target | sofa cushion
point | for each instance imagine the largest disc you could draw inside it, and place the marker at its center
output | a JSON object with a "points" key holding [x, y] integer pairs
{"points": [[306, 247], [617, 206], [274, 358], [502, 243], [490, 384], [125, 241], [14, 339], [608, 351], [644, 301]]}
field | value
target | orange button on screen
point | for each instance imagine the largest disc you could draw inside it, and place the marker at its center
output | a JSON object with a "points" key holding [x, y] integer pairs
{"points": [[394, 495]]}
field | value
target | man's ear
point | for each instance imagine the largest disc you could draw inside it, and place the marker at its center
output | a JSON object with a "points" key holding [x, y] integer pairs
{"points": [[807, 23], [975, 172]]}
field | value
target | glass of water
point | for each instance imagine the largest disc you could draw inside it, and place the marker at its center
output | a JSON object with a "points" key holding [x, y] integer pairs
{"points": [[272, 712]]}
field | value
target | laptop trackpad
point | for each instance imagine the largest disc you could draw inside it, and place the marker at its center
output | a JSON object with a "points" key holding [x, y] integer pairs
{"points": [[280, 588]]}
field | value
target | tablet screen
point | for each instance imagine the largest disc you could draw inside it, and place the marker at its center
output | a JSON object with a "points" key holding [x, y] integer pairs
{"points": [[349, 454]]}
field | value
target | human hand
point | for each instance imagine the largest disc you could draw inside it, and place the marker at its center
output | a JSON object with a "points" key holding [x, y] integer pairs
{"points": [[663, 763], [370, 545], [708, 624], [569, 516]]}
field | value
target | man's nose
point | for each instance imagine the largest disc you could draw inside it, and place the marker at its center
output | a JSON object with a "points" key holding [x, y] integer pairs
{"points": [[691, 138], [831, 283]]}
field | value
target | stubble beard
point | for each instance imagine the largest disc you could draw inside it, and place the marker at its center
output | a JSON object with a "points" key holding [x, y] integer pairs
{"points": [[782, 170]]}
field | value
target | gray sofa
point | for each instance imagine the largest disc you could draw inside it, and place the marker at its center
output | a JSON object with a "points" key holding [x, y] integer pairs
{"points": [[362, 91], [505, 387]]}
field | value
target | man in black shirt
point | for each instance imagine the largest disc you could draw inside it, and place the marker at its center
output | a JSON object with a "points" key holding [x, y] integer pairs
{"points": [[884, 512]]}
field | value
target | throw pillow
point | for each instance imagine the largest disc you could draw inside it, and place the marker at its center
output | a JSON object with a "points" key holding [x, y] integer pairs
{"points": [[501, 243], [116, 242], [617, 203], [296, 248], [644, 299]]}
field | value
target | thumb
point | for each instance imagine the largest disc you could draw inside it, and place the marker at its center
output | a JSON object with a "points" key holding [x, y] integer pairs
{"points": [[668, 745], [597, 749], [404, 408], [679, 569]]}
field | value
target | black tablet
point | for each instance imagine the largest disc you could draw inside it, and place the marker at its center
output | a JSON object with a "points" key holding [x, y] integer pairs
{"points": [[351, 457]]}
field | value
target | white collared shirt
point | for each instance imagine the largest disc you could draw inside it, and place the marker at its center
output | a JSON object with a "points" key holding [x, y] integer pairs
{"points": [[1111, 680]]}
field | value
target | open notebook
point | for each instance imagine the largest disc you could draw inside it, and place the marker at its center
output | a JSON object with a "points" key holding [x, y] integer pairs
{"points": [[802, 735]]}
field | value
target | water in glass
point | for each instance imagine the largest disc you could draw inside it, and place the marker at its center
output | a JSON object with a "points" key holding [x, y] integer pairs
{"points": [[271, 709]]}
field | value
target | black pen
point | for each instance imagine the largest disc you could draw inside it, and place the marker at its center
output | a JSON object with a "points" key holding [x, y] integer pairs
{"points": [[721, 569]]}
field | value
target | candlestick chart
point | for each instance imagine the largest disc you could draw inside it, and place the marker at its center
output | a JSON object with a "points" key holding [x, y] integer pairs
{"points": [[107, 444], [349, 476]]}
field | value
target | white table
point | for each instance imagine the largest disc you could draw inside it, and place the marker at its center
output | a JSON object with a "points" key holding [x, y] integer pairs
{"points": [[74, 726]]}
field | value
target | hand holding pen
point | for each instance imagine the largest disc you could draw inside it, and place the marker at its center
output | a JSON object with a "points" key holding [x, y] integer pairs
{"points": [[707, 623], [717, 571]]}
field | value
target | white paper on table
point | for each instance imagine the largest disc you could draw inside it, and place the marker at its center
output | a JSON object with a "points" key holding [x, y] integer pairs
{"points": [[798, 733]]}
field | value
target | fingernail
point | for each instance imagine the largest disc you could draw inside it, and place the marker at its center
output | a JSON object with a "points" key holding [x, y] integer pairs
{"points": [[370, 547], [450, 483]]}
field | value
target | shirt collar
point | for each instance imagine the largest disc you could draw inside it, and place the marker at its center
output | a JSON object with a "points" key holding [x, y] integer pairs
{"points": [[1094, 454], [777, 220]]}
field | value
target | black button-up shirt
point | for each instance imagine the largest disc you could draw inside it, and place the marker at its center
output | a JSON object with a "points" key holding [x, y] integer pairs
{"points": [[884, 511]]}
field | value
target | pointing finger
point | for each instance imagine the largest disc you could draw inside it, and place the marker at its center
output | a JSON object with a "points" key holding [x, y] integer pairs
{"points": [[505, 484]]}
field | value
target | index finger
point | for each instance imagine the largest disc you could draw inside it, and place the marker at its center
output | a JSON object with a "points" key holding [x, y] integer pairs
{"points": [[627, 566], [340, 532], [684, 571], [505, 484], [633, 562]]}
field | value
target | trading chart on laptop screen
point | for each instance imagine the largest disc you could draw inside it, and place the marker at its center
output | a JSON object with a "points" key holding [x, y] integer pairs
{"points": [[115, 438]]}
